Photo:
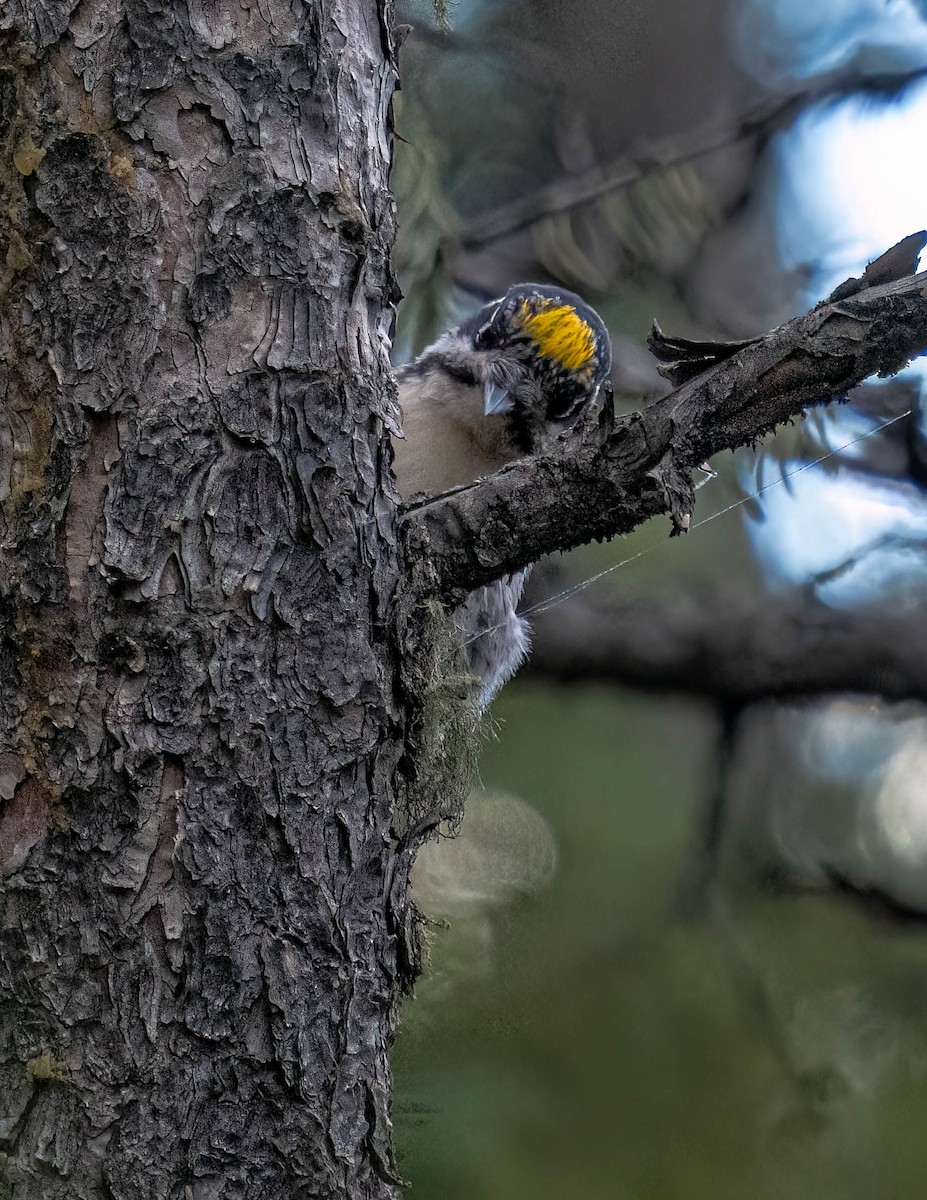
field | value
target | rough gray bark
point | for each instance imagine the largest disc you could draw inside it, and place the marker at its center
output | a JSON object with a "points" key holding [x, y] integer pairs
{"points": [[620, 476], [199, 957]]}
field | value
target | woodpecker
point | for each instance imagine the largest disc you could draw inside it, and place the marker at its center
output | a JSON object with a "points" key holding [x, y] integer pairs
{"points": [[507, 383]]}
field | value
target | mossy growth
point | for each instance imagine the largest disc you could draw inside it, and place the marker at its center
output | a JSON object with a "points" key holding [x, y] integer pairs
{"points": [[46, 1067], [443, 14], [447, 724]]}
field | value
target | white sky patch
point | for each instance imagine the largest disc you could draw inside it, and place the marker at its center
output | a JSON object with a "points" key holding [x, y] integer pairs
{"points": [[901, 802], [854, 183], [780, 41], [848, 742], [821, 520]]}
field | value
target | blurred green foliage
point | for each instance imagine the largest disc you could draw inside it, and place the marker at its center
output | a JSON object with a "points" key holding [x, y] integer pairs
{"points": [[624, 1044], [482, 129]]}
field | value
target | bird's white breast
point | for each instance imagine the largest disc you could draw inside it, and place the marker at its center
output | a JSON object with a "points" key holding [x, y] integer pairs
{"points": [[448, 438]]}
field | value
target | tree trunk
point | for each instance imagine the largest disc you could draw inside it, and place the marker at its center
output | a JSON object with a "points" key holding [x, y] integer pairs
{"points": [[199, 961]]}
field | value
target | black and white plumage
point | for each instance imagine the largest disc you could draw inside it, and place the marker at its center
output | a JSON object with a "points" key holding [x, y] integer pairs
{"points": [[505, 384]]}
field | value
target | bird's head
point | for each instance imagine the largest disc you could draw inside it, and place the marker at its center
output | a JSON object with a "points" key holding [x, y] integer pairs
{"points": [[545, 355]]}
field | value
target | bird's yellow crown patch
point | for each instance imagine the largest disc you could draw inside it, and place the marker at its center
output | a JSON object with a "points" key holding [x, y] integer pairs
{"points": [[559, 332]]}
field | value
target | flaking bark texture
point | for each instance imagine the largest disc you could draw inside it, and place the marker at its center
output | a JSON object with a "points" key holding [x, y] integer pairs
{"points": [[199, 957]]}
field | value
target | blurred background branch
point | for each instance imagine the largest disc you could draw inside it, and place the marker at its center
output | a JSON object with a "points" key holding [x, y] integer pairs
{"points": [[674, 151], [731, 647]]}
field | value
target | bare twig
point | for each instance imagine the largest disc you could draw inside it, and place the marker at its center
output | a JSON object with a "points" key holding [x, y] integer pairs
{"points": [[702, 876], [662, 153]]}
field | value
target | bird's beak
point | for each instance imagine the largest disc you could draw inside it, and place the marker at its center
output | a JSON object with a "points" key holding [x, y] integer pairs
{"points": [[496, 399]]}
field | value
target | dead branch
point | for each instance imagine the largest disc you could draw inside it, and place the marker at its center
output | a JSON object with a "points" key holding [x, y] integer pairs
{"points": [[625, 471]]}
